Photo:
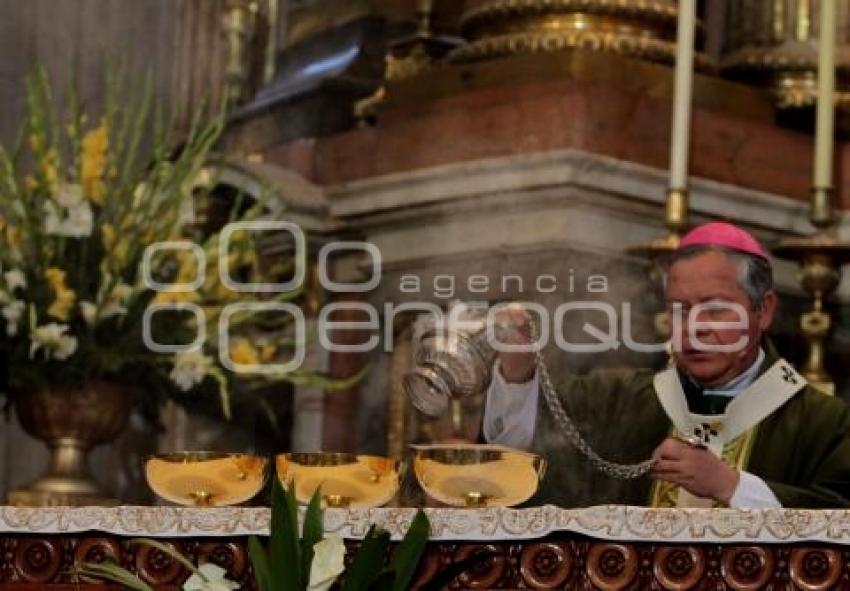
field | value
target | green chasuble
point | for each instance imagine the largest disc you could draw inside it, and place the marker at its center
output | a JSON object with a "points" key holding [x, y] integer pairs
{"points": [[801, 450]]}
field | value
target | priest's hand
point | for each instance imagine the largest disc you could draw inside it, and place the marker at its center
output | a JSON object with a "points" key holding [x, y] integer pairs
{"points": [[694, 468], [516, 367]]}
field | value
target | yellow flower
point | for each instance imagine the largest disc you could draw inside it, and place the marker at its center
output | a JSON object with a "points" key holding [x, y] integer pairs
{"points": [[267, 352], [65, 297], [51, 174], [188, 267], [13, 236], [173, 297], [148, 237], [95, 145], [30, 183], [56, 278], [120, 255], [244, 353], [116, 250], [107, 233]]}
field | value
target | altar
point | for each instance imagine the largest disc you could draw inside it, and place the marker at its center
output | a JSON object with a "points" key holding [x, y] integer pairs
{"points": [[605, 547]]}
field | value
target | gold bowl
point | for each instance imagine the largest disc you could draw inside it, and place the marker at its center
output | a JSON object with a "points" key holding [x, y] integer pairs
{"points": [[472, 475], [345, 480], [206, 478]]}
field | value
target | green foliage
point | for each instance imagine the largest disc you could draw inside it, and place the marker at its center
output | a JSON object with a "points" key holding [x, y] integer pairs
{"points": [[367, 567], [369, 571], [109, 571], [285, 564]]}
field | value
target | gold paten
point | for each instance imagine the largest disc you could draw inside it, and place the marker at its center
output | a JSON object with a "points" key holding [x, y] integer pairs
{"points": [[471, 475], [206, 478], [345, 480]]}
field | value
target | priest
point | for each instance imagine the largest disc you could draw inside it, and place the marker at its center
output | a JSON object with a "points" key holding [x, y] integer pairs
{"points": [[728, 423]]}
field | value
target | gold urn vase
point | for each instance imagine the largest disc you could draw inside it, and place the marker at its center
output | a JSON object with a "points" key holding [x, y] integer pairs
{"points": [[70, 421]]}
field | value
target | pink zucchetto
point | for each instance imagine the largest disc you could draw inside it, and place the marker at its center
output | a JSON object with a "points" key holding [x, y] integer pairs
{"points": [[725, 235]]}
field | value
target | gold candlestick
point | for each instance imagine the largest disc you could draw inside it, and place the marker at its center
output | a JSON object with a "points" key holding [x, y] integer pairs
{"points": [[820, 258], [657, 249], [238, 27]]}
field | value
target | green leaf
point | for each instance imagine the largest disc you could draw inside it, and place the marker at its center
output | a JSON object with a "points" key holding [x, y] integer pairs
{"points": [[260, 561], [109, 571], [312, 534], [409, 552], [385, 581], [284, 547], [165, 548], [368, 562]]}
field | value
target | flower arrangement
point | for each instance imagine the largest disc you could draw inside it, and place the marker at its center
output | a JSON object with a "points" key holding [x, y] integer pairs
{"points": [[314, 562], [310, 561], [81, 199]]}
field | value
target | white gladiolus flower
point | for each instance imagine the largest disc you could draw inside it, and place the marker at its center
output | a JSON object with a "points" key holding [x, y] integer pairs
{"points": [[113, 309], [328, 563], [12, 312], [115, 303], [211, 579], [187, 212], [138, 194], [89, 312], [52, 338], [70, 195], [190, 369], [15, 279], [121, 292], [74, 222]]}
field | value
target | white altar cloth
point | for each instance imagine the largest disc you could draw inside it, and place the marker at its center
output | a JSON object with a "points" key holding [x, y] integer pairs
{"points": [[611, 522]]}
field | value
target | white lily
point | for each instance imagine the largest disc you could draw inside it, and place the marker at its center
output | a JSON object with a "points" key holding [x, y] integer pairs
{"points": [[121, 292], [15, 279], [328, 563], [138, 194], [190, 369], [89, 312], [70, 195], [12, 312], [52, 338], [115, 304], [76, 222], [211, 578]]}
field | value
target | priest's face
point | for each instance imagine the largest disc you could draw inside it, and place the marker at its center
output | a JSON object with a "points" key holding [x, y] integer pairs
{"points": [[716, 329]]}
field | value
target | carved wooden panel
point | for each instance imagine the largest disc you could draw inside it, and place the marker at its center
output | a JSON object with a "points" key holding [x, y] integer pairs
{"points": [[40, 560], [572, 562], [562, 561]]}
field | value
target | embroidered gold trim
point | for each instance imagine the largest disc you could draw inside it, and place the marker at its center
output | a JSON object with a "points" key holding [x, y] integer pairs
{"points": [[736, 454]]}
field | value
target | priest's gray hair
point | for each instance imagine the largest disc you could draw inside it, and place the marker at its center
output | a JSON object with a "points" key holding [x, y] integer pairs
{"points": [[755, 274]]}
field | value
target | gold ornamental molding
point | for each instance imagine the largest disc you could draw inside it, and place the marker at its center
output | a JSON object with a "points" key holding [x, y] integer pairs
{"points": [[788, 71], [635, 28], [773, 44]]}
